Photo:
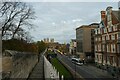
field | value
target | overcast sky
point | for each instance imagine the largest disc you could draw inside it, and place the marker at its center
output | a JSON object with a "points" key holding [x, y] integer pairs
{"points": [[59, 20]]}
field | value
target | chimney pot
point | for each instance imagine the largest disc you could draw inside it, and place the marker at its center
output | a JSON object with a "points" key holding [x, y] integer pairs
{"points": [[103, 13]]}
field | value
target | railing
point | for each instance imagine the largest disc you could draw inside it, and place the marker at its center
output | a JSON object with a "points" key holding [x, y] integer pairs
{"points": [[49, 71]]}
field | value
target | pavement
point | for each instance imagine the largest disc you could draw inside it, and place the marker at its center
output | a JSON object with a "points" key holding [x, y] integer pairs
{"points": [[38, 71]]}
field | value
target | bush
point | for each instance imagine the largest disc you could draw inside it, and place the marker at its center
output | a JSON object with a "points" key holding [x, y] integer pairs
{"points": [[18, 45]]}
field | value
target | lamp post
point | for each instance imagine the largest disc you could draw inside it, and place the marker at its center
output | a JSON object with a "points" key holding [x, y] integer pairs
{"points": [[75, 70]]}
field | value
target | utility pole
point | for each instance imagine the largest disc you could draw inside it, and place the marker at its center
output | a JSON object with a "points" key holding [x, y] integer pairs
{"points": [[75, 70]]}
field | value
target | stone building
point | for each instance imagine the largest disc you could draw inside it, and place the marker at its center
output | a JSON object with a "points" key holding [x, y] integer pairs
{"points": [[51, 43], [72, 48], [85, 41]]}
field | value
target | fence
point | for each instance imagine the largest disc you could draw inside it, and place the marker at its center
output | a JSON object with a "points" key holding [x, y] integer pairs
{"points": [[49, 71]]}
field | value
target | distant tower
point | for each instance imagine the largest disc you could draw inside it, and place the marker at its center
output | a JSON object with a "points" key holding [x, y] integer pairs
{"points": [[44, 40], [52, 40], [47, 40]]}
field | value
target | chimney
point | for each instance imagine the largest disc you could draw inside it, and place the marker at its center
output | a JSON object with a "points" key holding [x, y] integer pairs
{"points": [[103, 15]]}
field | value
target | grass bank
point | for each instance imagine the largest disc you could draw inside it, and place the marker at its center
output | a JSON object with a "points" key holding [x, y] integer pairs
{"points": [[62, 69]]}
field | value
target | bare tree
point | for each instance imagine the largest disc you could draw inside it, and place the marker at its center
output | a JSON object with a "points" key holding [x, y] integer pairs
{"points": [[14, 16], [24, 19], [8, 13]]}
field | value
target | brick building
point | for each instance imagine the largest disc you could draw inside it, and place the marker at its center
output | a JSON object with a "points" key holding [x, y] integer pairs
{"points": [[107, 41]]}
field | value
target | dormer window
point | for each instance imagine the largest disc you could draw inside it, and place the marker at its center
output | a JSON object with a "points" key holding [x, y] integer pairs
{"points": [[109, 19], [108, 16], [96, 31]]}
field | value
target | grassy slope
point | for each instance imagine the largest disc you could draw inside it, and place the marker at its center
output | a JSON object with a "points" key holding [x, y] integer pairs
{"points": [[63, 71]]}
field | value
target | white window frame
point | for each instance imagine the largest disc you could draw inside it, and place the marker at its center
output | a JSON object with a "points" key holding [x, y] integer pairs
{"points": [[105, 30], [115, 28], [113, 37], [103, 38], [107, 37]]}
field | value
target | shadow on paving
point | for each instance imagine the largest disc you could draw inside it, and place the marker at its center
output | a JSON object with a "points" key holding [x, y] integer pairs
{"points": [[38, 71]]}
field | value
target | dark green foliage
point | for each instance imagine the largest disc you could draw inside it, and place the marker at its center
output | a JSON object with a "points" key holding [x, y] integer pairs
{"points": [[41, 46], [18, 45]]}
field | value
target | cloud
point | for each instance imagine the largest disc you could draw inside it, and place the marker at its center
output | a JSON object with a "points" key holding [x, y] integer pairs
{"points": [[59, 20], [76, 20], [53, 23]]}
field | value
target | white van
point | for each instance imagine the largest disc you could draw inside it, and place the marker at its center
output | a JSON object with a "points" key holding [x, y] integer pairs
{"points": [[77, 61]]}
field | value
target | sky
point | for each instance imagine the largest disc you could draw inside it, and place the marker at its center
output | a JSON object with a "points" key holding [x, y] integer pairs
{"points": [[59, 20]]}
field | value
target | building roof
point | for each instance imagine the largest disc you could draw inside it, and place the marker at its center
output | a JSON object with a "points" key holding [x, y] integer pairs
{"points": [[116, 14], [82, 26], [73, 40], [115, 18], [93, 25]]}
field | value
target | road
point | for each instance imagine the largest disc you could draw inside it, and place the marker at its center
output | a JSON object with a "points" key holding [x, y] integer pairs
{"points": [[86, 71]]}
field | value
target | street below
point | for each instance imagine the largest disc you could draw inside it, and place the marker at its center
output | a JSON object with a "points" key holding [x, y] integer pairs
{"points": [[85, 70]]}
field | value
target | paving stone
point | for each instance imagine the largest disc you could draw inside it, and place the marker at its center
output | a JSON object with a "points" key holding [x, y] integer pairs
{"points": [[38, 71]]}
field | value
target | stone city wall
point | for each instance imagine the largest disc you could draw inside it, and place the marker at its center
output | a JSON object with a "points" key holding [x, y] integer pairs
{"points": [[19, 65]]}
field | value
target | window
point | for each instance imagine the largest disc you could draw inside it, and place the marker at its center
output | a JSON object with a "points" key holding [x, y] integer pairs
{"points": [[96, 31], [99, 47], [99, 38], [103, 38], [110, 37], [113, 37], [115, 28], [108, 48], [110, 29], [97, 58], [105, 30], [108, 16], [95, 47], [113, 49], [107, 37]]}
